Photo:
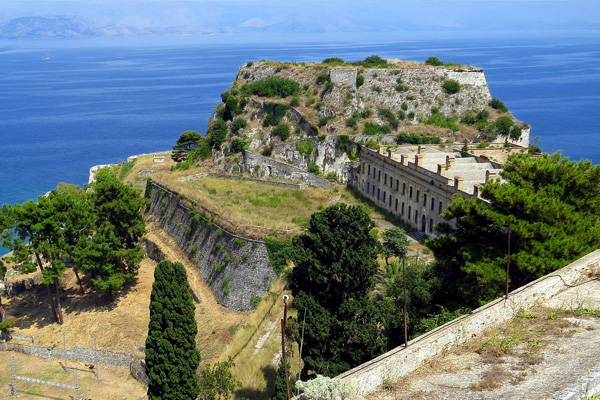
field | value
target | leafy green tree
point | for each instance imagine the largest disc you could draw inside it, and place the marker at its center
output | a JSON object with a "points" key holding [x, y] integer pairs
{"points": [[113, 254], [395, 243], [336, 262], [171, 354], [282, 131], [186, 142], [217, 382], [238, 124], [553, 207], [217, 133]]}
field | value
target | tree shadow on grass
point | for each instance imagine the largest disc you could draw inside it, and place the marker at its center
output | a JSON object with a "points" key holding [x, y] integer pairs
{"points": [[270, 373]]}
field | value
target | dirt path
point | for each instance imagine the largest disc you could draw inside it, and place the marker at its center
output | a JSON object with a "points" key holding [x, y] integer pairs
{"points": [[216, 324]]}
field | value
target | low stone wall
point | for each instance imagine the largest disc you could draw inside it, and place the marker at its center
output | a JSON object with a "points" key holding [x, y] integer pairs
{"points": [[237, 269], [264, 166], [400, 361], [20, 285], [76, 354], [245, 178]]}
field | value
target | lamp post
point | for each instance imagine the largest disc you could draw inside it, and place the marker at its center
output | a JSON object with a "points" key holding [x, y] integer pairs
{"points": [[287, 379]]}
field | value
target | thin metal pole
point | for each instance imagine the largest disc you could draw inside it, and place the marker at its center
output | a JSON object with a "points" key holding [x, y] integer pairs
{"points": [[287, 379], [13, 388], [508, 261], [405, 322]]}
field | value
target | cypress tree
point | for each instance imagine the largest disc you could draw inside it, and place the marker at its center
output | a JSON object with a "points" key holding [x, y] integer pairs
{"points": [[171, 354]]}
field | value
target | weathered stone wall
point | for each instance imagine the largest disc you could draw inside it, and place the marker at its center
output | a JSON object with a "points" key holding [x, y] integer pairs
{"points": [[76, 354], [19, 285], [398, 362], [236, 269], [267, 167], [344, 76]]}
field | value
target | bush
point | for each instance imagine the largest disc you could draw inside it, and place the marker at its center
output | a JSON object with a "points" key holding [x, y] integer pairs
{"points": [[402, 88], [497, 104], [323, 78], [352, 123], [333, 61], [434, 61], [305, 148], [389, 116], [404, 106], [295, 102], [255, 301], [374, 129], [503, 125], [417, 138], [268, 150], [366, 113], [282, 131], [313, 168], [274, 113], [360, 80], [217, 133], [372, 62], [272, 87], [238, 145], [451, 86], [238, 124]]}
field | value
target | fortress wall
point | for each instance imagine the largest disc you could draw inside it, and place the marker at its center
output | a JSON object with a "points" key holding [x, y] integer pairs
{"points": [[224, 260], [400, 361], [343, 76]]}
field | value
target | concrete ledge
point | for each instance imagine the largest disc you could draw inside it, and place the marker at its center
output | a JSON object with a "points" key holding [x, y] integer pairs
{"points": [[400, 361]]}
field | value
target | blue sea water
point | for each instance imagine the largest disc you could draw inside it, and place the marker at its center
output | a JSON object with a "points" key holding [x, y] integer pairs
{"points": [[93, 103]]}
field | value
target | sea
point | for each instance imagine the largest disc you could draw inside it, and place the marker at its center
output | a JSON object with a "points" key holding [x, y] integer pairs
{"points": [[66, 105]]}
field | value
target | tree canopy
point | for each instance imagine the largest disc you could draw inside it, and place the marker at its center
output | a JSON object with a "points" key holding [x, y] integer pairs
{"points": [[553, 207], [335, 266], [171, 354]]}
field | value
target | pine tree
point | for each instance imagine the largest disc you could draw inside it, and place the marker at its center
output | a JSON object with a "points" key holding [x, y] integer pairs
{"points": [[171, 354]]}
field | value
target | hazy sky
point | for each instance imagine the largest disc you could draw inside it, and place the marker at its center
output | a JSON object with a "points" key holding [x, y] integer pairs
{"points": [[395, 16]]}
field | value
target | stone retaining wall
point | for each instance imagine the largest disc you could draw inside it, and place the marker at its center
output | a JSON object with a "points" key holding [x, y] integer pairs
{"points": [[237, 269], [76, 354], [400, 361]]}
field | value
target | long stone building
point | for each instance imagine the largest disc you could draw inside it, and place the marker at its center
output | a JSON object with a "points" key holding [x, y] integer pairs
{"points": [[417, 182]]}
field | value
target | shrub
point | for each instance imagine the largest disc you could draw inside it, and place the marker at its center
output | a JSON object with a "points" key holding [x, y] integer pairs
{"points": [[272, 87], [352, 123], [497, 104], [333, 61], [417, 138], [372, 62], [268, 150], [305, 148], [295, 102], [282, 131], [217, 132], [439, 119], [238, 124], [376, 89], [374, 129], [226, 289], [313, 168], [389, 116], [451, 86], [402, 88], [238, 242], [238, 145], [360, 80], [366, 113], [503, 125], [255, 301], [323, 78], [434, 61], [249, 63], [404, 106]]}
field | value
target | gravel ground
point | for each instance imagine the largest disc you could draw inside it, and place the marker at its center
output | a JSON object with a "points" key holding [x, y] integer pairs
{"points": [[527, 358]]}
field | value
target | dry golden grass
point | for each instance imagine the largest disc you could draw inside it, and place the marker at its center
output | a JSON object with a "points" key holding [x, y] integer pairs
{"points": [[113, 383]]}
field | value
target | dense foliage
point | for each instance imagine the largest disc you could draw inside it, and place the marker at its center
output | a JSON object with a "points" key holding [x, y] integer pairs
{"points": [[171, 354], [336, 264], [553, 207], [95, 232], [272, 87], [451, 86]]}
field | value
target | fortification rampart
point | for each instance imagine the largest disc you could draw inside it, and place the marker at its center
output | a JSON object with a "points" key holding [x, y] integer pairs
{"points": [[236, 268], [397, 363]]}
